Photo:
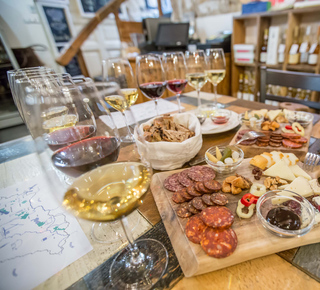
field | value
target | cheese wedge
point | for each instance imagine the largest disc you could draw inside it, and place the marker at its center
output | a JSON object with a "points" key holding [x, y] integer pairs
{"points": [[270, 155], [270, 161], [293, 158], [315, 187], [277, 156], [298, 171], [272, 114], [280, 169], [286, 159], [301, 186]]}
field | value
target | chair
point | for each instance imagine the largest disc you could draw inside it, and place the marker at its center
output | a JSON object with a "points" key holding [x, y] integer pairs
{"points": [[305, 81]]}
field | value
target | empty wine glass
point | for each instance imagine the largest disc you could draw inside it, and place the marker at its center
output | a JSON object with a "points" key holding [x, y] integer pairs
{"points": [[151, 77], [109, 180], [119, 70], [196, 64], [175, 68], [215, 69]]}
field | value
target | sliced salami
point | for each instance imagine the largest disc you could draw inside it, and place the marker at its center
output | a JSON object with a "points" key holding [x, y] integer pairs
{"points": [[207, 199], [301, 140], [198, 203], [200, 187], [290, 144], [194, 229], [172, 183], [184, 193], [248, 142], [196, 175], [219, 243], [208, 172], [275, 144], [182, 211], [219, 198], [201, 173], [192, 209], [290, 135], [192, 191], [218, 217], [177, 198], [212, 185], [184, 179]]}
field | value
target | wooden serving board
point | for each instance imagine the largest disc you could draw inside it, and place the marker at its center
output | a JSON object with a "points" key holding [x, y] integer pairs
{"points": [[253, 239], [252, 150]]}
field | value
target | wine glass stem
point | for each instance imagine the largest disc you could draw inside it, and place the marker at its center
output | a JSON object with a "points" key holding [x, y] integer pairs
{"points": [[156, 105], [215, 94], [179, 103], [127, 231], [198, 95], [126, 121]]}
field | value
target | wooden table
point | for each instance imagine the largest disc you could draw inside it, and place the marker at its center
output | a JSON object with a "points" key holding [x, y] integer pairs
{"points": [[291, 269]]}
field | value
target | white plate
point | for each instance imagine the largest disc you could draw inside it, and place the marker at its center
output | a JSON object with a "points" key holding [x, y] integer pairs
{"points": [[208, 127]]}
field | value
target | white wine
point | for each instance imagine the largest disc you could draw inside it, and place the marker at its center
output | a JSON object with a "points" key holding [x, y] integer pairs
{"points": [[108, 192], [196, 80], [215, 76], [121, 103], [60, 122]]}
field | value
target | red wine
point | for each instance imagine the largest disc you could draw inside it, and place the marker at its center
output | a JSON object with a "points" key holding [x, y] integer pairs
{"points": [[66, 136], [86, 155], [153, 90], [177, 86]]}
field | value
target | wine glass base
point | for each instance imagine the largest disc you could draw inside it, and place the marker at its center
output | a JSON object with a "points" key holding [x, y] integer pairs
{"points": [[111, 232], [128, 139], [143, 271]]}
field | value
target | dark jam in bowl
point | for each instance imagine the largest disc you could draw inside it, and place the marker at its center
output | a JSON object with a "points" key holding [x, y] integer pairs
{"points": [[153, 90], [176, 86], [283, 219], [86, 155], [63, 137]]}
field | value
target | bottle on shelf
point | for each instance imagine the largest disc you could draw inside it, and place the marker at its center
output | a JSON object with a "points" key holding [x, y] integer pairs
{"points": [[307, 95], [289, 94], [294, 55], [314, 50], [240, 87], [282, 47], [298, 94], [305, 46], [283, 91], [245, 94], [252, 83], [264, 47]]}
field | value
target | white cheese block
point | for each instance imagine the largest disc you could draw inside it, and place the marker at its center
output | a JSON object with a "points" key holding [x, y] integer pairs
{"points": [[301, 186], [270, 161], [315, 187], [286, 159], [293, 158], [272, 114], [298, 171], [280, 169], [276, 156]]}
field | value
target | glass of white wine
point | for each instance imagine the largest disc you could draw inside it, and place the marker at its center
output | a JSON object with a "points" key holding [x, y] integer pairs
{"points": [[109, 181], [120, 71], [196, 64], [215, 69]]}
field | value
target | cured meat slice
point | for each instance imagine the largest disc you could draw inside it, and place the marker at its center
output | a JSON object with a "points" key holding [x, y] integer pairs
{"points": [[262, 144], [201, 173], [290, 144], [301, 140], [208, 172], [248, 142], [275, 144], [290, 135], [192, 209], [182, 211], [194, 229], [219, 198], [218, 217], [172, 183], [192, 191], [200, 187], [177, 198], [207, 199], [212, 185], [219, 243], [242, 132], [198, 203], [184, 179], [184, 193]]}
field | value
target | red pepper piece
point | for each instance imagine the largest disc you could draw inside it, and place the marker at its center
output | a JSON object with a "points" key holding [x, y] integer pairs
{"points": [[288, 127], [249, 199]]}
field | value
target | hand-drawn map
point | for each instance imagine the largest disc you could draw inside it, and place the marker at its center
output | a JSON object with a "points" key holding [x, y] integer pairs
{"points": [[37, 237]]}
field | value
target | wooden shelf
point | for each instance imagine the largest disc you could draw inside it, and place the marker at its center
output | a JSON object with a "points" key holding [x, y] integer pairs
{"points": [[245, 64], [315, 105], [274, 66], [302, 67]]}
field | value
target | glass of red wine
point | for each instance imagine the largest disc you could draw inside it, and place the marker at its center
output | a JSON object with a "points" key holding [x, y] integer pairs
{"points": [[151, 77], [106, 179], [176, 69]]}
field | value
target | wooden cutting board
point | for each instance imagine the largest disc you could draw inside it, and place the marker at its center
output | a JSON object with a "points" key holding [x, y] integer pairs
{"points": [[252, 150], [253, 239]]}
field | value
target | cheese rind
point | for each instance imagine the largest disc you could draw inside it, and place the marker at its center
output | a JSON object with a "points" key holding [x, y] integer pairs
{"points": [[280, 169]]}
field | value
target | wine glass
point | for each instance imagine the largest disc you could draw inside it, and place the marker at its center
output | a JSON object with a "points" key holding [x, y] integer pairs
{"points": [[175, 68], [196, 63], [109, 181], [215, 70], [151, 77], [119, 70]]}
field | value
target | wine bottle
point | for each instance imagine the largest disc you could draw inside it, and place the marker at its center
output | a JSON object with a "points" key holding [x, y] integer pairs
{"points": [[240, 88], [307, 95], [264, 47], [314, 50], [245, 94], [305, 46], [282, 47], [294, 55]]}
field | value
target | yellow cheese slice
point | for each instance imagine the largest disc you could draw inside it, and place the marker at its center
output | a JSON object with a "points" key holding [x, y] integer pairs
{"points": [[293, 158], [280, 169], [298, 171], [277, 156], [272, 114], [301, 186]]}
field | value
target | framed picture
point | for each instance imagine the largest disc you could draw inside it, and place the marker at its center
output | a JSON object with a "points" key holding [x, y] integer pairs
{"points": [[88, 8]]}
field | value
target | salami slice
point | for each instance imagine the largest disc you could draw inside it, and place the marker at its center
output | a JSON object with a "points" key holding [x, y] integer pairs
{"points": [[194, 229], [248, 142], [201, 173], [219, 243], [208, 172], [198, 203], [219, 198], [207, 199], [192, 191], [218, 217], [275, 144], [200, 187], [182, 211], [301, 140], [290, 144], [192, 209], [290, 135], [184, 193], [212, 185], [184, 179], [172, 183], [177, 198]]}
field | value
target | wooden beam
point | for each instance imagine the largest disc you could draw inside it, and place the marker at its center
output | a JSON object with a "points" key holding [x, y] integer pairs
{"points": [[160, 8]]}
